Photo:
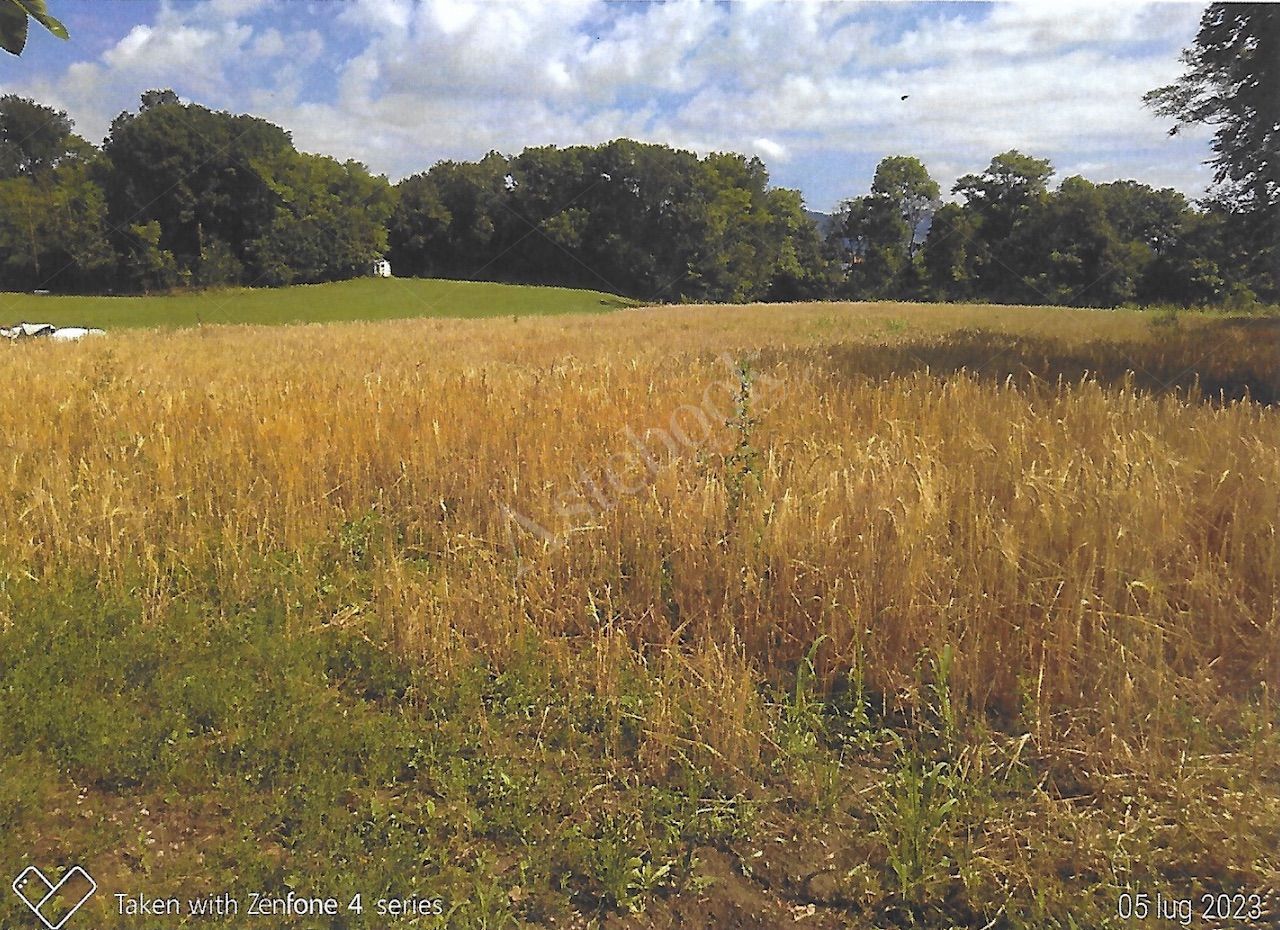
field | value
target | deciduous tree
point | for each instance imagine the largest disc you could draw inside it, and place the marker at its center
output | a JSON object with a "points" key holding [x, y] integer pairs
{"points": [[197, 173], [1232, 82], [34, 138], [905, 183]]}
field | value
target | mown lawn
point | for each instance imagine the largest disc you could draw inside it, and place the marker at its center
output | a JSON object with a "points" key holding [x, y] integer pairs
{"points": [[361, 299]]}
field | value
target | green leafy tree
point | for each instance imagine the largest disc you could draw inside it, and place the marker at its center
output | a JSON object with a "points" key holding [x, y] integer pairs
{"points": [[1180, 246], [1143, 213], [877, 235], [14, 23], [999, 198], [145, 266], [656, 219], [34, 139], [949, 250], [730, 260], [1191, 269], [234, 201], [1012, 183], [53, 223], [1232, 82], [417, 228], [543, 229], [195, 172], [881, 230], [53, 232], [330, 220], [802, 270], [642, 219], [904, 182], [457, 235], [1073, 253], [158, 98]]}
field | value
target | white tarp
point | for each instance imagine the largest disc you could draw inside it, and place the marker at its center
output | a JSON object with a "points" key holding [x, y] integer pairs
{"points": [[30, 330], [43, 330], [72, 333]]}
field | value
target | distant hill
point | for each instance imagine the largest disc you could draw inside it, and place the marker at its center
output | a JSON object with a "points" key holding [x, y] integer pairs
{"points": [[824, 221], [827, 221]]}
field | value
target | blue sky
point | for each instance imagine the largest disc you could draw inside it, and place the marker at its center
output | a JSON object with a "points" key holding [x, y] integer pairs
{"points": [[815, 89]]}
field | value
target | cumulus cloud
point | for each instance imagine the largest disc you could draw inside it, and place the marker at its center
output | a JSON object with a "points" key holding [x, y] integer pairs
{"points": [[400, 84], [771, 150]]}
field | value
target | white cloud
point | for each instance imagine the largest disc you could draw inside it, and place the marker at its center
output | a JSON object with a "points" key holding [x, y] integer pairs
{"points": [[201, 49], [269, 44], [411, 82], [194, 42], [771, 150], [390, 16]]}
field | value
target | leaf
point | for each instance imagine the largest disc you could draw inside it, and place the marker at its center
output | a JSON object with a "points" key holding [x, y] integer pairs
{"points": [[13, 27], [37, 10], [53, 25]]}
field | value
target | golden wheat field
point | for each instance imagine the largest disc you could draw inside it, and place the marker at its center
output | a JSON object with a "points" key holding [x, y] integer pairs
{"points": [[1047, 538]]}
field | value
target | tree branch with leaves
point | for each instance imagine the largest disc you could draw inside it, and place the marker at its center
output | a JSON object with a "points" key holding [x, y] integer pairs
{"points": [[15, 17], [1232, 82]]}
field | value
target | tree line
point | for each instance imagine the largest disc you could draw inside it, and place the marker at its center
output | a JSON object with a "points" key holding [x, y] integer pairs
{"points": [[179, 195], [1011, 239], [643, 220]]}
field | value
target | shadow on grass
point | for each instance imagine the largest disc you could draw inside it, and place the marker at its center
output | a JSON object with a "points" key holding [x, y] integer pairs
{"points": [[1218, 362]]}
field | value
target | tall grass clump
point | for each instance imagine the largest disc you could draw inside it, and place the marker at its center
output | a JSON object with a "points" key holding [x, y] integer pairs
{"points": [[715, 533]]}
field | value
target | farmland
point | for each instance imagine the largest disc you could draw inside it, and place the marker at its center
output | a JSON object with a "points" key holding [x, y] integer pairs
{"points": [[817, 615], [360, 299]]}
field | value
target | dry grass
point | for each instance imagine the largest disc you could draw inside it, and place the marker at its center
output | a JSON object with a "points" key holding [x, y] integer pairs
{"points": [[1101, 559], [1079, 547]]}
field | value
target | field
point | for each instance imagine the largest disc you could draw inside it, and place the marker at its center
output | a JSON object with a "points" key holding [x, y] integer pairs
{"points": [[360, 299], [807, 616]]}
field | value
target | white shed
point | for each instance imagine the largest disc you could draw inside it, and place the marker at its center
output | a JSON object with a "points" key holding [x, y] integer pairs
{"points": [[381, 268]]}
